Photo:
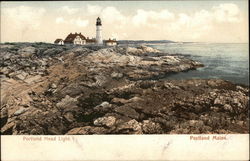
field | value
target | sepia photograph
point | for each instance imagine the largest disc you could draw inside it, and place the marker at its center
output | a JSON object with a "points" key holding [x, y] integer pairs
{"points": [[130, 69]]}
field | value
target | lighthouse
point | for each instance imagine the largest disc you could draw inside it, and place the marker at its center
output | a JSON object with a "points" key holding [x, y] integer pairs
{"points": [[99, 31]]}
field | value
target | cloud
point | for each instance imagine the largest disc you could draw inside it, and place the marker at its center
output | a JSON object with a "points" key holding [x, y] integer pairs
{"points": [[94, 9], [200, 20], [60, 20], [23, 16], [143, 17], [184, 19], [191, 26], [202, 17], [79, 22], [108, 14], [69, 10], [140, 18], [75, 22], [111, 15], [227, 12]]}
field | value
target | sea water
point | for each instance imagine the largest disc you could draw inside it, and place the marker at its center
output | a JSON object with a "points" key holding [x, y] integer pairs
{"points": [[222, 60]]}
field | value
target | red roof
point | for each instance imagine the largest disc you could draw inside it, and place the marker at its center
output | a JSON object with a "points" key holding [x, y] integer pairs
{"points": [[70, 38]]}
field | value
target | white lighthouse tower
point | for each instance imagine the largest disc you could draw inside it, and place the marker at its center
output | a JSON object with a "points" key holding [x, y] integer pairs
{"points": [[99, 31]]}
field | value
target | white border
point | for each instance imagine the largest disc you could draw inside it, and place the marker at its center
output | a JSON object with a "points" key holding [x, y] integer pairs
{"points": [[125, 147]]}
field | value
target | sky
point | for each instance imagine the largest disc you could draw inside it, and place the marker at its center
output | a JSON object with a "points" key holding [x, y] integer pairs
{"points": [[194, 21]]}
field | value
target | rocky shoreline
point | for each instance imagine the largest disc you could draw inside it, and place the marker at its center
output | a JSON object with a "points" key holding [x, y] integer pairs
{"points": [[56, 90]]}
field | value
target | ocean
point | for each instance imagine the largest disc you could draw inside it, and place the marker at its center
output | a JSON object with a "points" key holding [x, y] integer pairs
{"points": [[222, 61]]}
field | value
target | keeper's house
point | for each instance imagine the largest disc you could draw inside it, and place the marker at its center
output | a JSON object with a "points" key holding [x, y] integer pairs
{"points": [[77, 39]]}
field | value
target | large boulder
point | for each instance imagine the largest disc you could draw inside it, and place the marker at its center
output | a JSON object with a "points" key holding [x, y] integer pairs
{"points": [[27, 51], [67, 102], [130, 127], [105, 121], [150, 127]]}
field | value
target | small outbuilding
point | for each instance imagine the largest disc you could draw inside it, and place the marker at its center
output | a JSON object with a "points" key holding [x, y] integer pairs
{"points": [[59, 42], [90, 41], [110, 42]]}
